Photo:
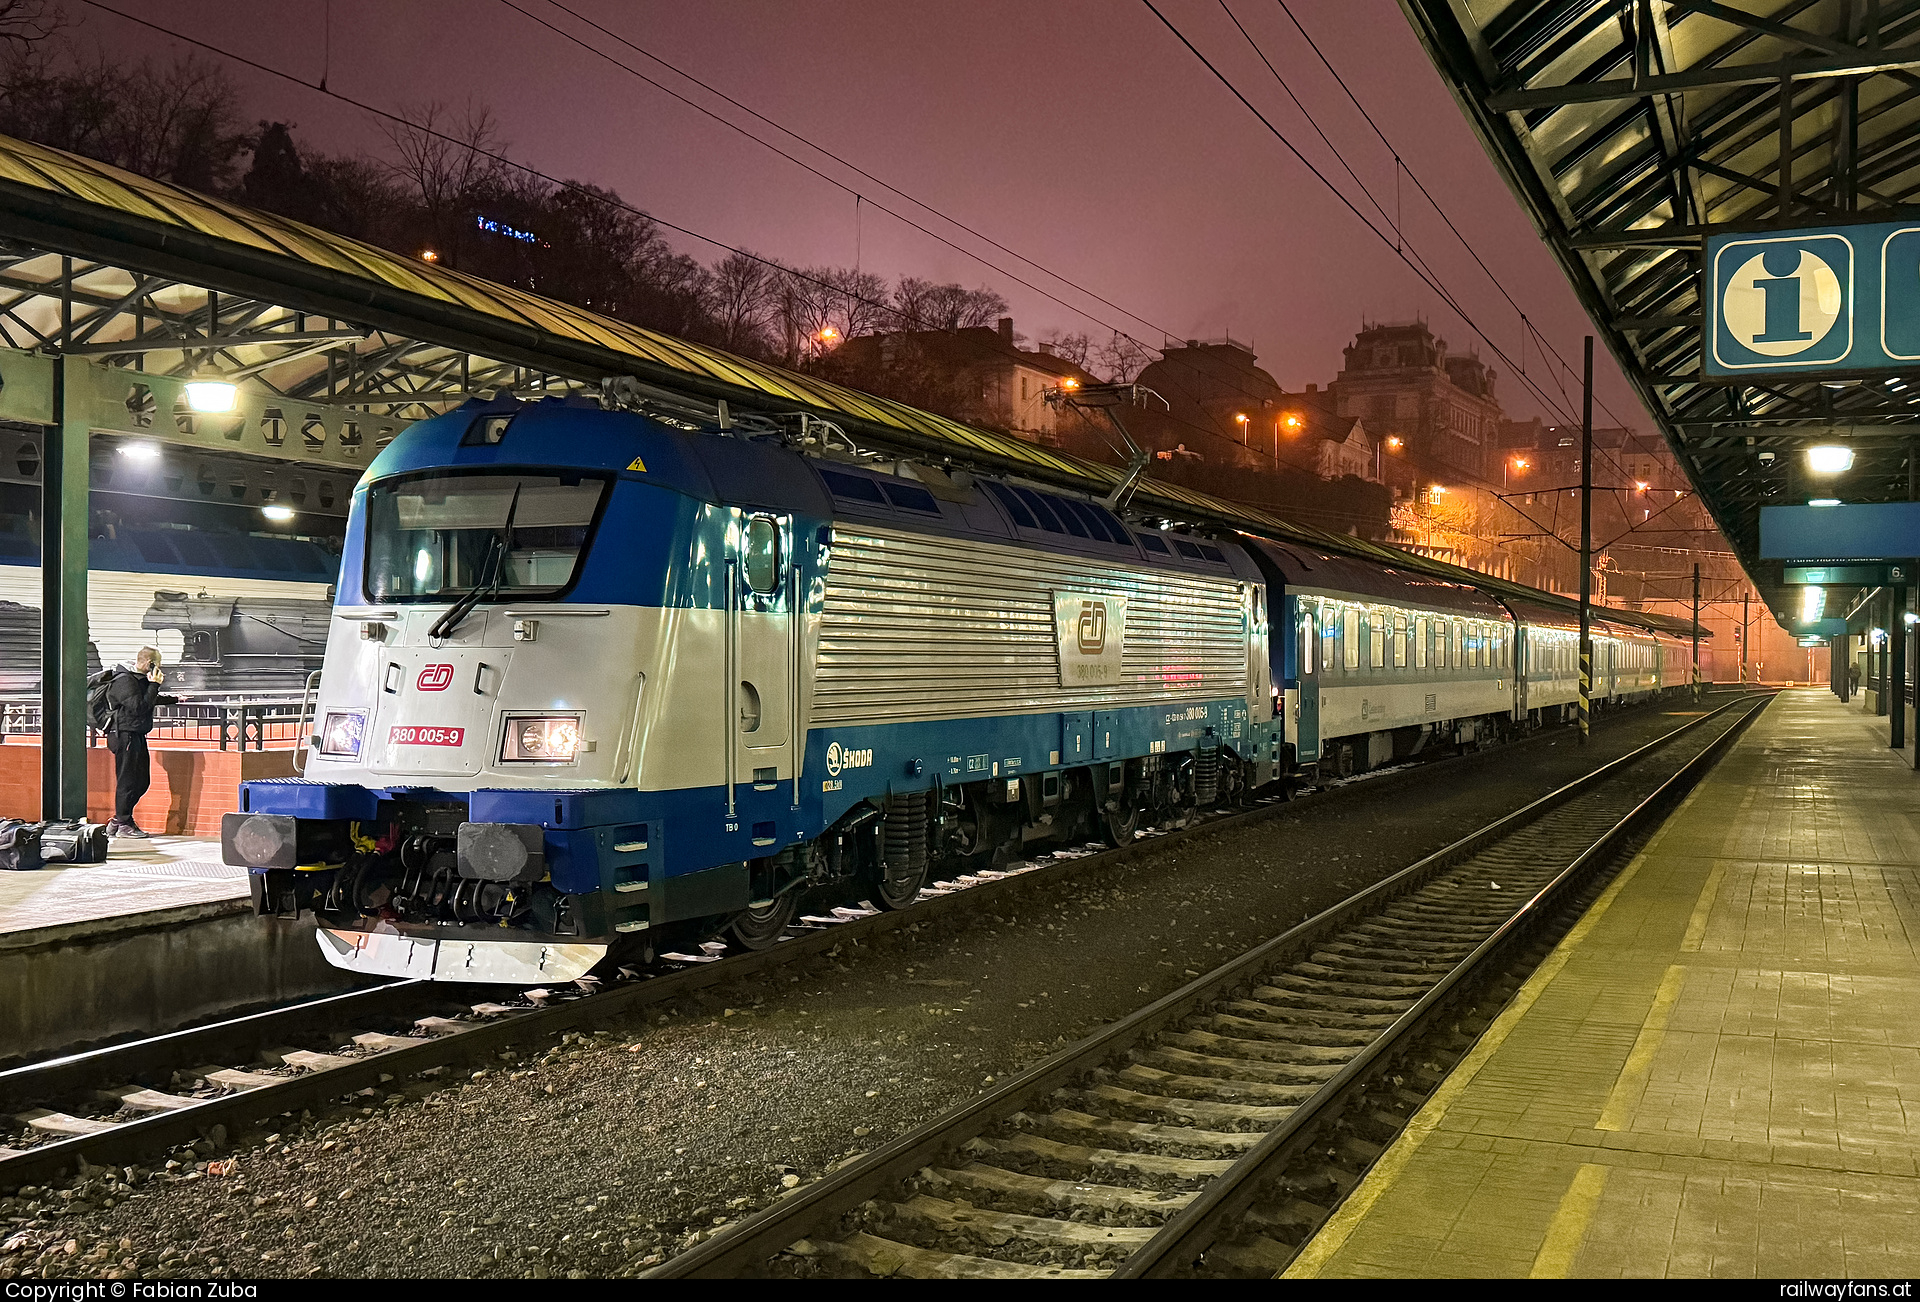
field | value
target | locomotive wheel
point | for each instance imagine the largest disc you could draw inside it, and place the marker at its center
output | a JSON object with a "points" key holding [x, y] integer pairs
{"points": [[896, 888], [757, 928], [1117, 826]]}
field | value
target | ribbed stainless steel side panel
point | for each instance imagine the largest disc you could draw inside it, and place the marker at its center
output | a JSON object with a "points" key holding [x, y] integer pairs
{"points": [[917, 629]]}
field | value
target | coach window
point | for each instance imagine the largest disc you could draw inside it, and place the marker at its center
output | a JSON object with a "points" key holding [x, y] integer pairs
{"points": [[761, 555], [1329, 634], [1350, 639], [1306, 639], [1379, 629], [1400, 639], [1420, 635]]}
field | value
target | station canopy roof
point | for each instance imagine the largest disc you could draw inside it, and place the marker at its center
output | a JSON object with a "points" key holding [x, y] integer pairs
{"points": [[99, 262], [1633, 130]]}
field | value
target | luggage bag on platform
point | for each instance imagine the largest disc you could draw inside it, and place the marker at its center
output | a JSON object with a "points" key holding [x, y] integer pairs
{"points": [[73, 842], [19, 845]]}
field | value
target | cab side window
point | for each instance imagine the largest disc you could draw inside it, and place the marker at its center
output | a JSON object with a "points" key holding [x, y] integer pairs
{"points": [[760, 554]]}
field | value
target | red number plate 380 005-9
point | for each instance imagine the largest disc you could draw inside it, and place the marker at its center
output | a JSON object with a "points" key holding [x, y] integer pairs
{"points": [[416, 735]]}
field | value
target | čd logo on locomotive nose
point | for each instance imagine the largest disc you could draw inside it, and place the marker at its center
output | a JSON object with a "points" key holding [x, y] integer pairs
{"points": [[1093, 627], [434, 678]]}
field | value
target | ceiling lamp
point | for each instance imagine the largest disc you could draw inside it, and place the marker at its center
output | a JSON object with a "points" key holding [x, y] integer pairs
{"points": [[211, 397], [1829, 459]]}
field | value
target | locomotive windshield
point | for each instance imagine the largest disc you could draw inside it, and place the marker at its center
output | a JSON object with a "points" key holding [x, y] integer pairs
{"points": [[435, 537]]}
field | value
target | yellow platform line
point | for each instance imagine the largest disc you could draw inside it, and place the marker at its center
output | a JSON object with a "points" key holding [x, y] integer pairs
{"points": [[1333, 1235], [1569, 1225], [1632, 1082], [1697, 924], [1381, 1176]]}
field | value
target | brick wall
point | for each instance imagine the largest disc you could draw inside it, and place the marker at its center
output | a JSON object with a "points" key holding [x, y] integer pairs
{"points": [[191, 788]]}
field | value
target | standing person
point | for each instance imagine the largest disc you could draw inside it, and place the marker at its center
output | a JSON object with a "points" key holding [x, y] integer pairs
{"points": [[131, 696]]}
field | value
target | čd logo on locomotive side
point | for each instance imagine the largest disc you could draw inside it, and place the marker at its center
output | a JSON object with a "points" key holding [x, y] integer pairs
{"points": [[1093, 627]]}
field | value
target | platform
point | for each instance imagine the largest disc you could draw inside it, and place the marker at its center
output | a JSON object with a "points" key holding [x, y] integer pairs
{"points": [[1717, 1073], [167, 872]]}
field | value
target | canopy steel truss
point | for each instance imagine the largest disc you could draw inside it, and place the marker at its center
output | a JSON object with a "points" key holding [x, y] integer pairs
{"points": [[78, 307], [1631, 130]]}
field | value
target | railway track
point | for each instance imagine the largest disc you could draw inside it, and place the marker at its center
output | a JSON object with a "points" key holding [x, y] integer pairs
{"points": [[1214, 1130], [127, 1102]]}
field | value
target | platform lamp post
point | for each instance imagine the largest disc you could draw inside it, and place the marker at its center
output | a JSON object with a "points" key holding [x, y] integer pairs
{"points": [[1696, 632], [1586, 549], [1743, 637]]}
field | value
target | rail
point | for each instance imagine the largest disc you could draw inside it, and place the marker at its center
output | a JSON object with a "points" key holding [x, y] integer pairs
{"points": [[747, 1248], [462, 1032]]}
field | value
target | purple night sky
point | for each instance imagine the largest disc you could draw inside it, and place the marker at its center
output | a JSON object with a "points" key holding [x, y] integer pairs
{"points": [[1079, 132]]}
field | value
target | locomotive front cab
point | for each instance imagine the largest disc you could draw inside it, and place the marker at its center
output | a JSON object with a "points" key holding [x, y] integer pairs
{"points": [[526, 685]]}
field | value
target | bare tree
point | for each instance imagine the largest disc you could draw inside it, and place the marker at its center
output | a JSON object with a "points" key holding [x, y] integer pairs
{"points": [[1071, 347], [180, 123], [27, 23], [818, 306], [177, 122], [1121, 358], [445, 162], [745, 302], [923, 305]]}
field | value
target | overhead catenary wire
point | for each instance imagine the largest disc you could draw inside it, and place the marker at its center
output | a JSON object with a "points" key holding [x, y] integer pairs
{"points": [[572, 187], [604, 198], [1413, 260], [833, 181], [855, 168], [890, 309], [1527, 325]]}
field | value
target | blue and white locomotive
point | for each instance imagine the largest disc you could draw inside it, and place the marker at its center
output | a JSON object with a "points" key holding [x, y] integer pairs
{"points": [[598, 686]]}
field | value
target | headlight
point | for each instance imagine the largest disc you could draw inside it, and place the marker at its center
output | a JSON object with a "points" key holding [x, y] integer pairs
{"points": [[541, 739], [342, 733]]}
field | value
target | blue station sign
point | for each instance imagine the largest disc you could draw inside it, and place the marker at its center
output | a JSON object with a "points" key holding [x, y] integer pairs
{"points": [[1844, 298]]}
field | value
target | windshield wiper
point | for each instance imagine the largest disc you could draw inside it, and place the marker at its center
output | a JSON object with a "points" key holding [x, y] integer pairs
{"points": [[502, 545]]}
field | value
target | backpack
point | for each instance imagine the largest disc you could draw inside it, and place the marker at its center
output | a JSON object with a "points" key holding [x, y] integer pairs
{"points": [[99, 708]]}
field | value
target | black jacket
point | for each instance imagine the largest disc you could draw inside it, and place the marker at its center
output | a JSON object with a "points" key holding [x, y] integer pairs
{"points": [[131, 696]]}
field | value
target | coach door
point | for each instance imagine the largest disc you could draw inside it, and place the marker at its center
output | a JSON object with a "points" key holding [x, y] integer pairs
{"points": [[761, 651], [1306, 683]]}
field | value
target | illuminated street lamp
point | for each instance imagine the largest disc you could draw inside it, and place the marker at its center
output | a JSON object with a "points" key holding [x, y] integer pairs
{"points": [[1392, 443], [428, 255], [277, 513], [1510, 465]]}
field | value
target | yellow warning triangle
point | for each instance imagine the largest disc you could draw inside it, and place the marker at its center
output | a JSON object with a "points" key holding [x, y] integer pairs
{"points": [[637, 464]]}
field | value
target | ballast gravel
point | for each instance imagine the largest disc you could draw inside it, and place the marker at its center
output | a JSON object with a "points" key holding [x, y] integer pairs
{"points": [[602, 1153]]}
